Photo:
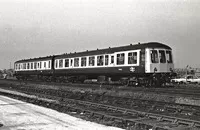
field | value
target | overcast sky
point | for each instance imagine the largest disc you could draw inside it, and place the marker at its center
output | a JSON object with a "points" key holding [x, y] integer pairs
{"points": [[34, 28]]}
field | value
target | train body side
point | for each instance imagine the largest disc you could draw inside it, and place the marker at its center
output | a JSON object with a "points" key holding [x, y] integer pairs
{"points": [[127, 61]]}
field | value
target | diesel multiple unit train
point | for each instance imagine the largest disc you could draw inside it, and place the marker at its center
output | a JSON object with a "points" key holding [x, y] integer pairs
{"points": [[145, 62]]}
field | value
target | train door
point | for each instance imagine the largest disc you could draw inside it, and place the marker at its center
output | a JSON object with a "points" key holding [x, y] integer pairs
{"points": [[71, 62], [142, 60], [112, 60]]}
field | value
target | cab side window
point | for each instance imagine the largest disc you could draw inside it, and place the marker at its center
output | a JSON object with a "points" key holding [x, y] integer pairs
{"points": [[169, 56]]}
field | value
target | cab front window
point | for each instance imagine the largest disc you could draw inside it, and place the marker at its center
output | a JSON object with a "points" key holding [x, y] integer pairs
{"points": [[154, 56], [162, 56]]}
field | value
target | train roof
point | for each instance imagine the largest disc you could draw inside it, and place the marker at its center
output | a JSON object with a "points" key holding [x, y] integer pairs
{"points": [[100, 51], [35, 59], [115, 49]]}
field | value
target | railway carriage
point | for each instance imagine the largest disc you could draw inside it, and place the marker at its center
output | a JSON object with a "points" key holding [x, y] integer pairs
{"points": [[140, 61], [32, 68]]}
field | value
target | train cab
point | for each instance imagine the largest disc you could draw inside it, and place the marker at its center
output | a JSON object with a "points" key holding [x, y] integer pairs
{"points": [[159, 60]]}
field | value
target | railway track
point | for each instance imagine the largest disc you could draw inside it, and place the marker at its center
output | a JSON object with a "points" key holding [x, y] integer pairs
{"points": [[172, 90], [124, 113]]}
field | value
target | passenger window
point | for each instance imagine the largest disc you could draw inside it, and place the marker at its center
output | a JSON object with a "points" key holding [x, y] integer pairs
{"points": [[16, 67], [66, 62], [31, 65], [71, 62], [100, 60], [162, 56], [169, 56], [40, 64], [120, 59], [112, 59], [76, 62], [106, 59], [60, 63], [132, 58], [83, 61], [49, 64], [28, 65], [91, 61], [44, 64], [56, 64], [35, 65], [154, 56]]}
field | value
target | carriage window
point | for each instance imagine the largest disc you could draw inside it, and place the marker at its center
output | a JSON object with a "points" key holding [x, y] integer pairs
{"points": [[154, 56], [76, 62], [16, 67], [169, 56], [31, 65], [83, 61], [49, 64], [66, 62], [44, 64], [40, 64], [120, 59], [28, 65], [35, 65], [112, 59], [162, 56], [100, 60], [71, 62], [132, 58], [56, 64], [19, 66], [91, 61], [106, 59], [60, 63]]}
